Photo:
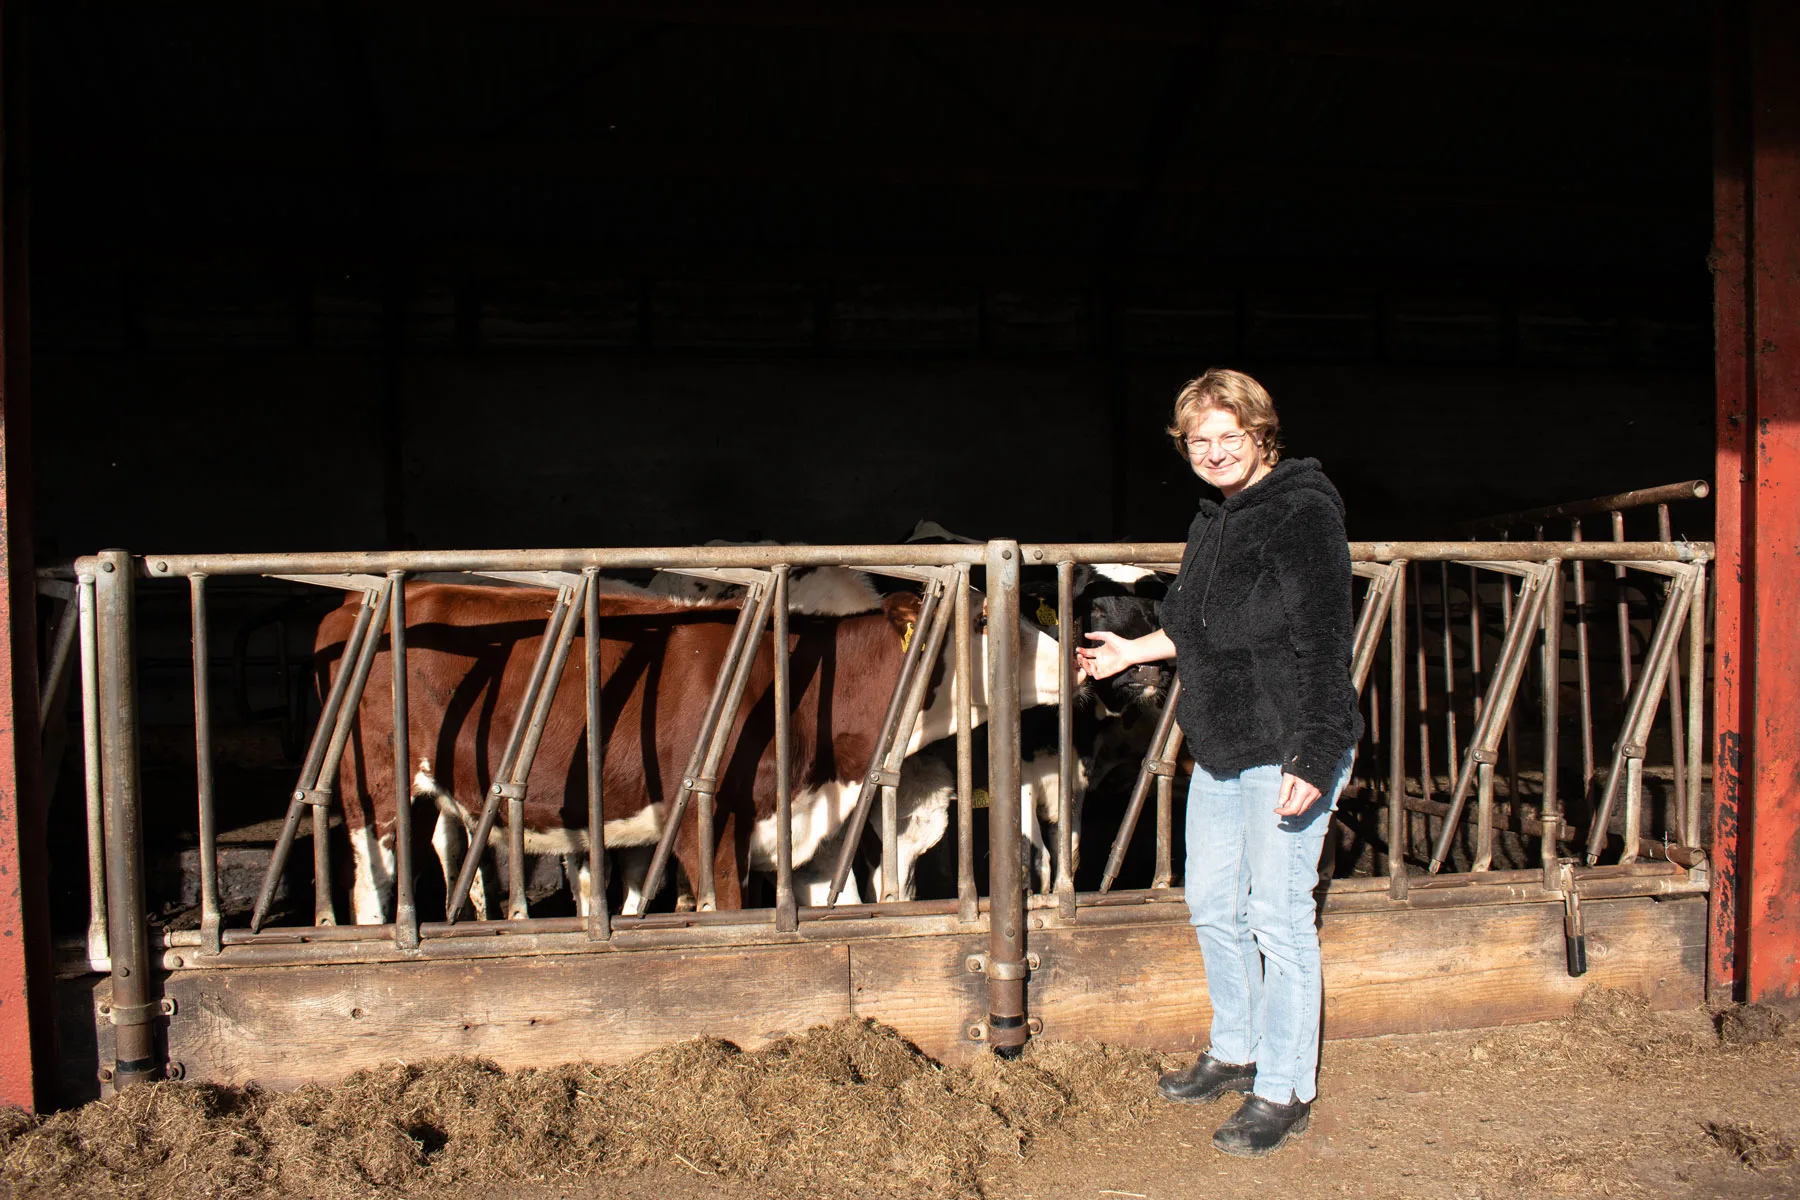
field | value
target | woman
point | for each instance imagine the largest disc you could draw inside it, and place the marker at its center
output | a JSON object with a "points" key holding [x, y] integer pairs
{"points": [[1259, 624]]}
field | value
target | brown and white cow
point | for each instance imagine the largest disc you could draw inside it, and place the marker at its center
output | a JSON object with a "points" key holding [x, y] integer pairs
{"points": [[470, 652]]}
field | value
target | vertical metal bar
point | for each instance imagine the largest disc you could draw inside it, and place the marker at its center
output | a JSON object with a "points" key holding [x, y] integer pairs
{"points": [[310, 769], [133, 1002], [1006, 896], [1165, 831], [1397, 830], [1069, 637], [890, 843], [406, 909], [1624, 608], [1585, 674], [1677, 748], [1696, 697], [1450, 758], [203, 769], [963, 698], [50, 687], [1477, 680], [1423, 705], [1550, 808], [91, 768], [599, 921], [787, 911]]}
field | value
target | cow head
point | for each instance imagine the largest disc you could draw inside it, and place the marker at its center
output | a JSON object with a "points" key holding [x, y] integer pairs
{"points": [[1117, 599]]}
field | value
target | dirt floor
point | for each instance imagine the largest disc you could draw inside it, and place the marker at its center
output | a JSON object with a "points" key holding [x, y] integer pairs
{"points": [[1615, 1101]]}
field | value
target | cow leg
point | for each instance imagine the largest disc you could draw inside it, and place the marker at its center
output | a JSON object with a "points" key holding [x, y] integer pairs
{"points": [[926, 789], [448, 841], [727, 882], [372, 857], [633, 866]]}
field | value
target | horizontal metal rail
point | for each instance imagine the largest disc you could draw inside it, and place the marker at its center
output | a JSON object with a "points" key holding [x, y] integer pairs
{"points": [[1687, 489]]}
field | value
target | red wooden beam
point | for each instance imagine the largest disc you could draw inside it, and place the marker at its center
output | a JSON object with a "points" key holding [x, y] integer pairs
{"points": [[1755, 944], [27, 1033], [1770, 842]]}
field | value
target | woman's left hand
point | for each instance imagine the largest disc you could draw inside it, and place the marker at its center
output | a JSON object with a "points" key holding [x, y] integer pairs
{"points": [[1297, 796]]}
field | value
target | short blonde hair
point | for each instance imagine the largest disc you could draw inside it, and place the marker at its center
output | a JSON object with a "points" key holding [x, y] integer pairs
{"points": [[1238, 394]]}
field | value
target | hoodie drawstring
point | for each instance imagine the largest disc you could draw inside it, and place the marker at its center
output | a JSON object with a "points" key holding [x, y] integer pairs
{"points": [[1214, 568]]}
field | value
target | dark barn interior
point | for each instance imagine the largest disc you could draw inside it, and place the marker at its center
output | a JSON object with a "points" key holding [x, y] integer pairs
{"points": [[334, 276], [313, 275]]}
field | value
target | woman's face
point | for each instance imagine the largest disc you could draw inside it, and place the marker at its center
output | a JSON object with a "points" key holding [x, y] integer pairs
{"points": [[1221, 452]]}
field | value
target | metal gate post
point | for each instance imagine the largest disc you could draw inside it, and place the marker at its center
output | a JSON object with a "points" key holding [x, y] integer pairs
{"points": [[1006, 969], [133, 1008]]}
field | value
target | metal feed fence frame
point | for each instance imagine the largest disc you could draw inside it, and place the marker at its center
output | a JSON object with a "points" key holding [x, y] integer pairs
{"points": [[98, 616]]}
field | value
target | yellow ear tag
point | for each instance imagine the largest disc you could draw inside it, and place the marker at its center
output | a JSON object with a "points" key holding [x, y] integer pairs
{"points": [[1046, 616], [906, 638], [980, 798]]}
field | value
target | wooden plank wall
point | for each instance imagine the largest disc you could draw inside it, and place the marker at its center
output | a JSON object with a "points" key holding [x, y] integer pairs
{"points": [[1405, 971]]}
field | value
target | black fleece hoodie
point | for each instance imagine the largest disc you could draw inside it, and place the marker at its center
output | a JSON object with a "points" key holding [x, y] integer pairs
{"points": [[1261, 620]]}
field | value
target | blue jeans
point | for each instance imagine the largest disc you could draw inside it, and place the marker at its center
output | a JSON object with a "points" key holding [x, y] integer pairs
{"points": [[1249, 887]]}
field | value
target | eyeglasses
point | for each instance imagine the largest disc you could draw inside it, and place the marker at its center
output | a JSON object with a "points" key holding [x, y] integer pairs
{"points": [[1231, 443]]}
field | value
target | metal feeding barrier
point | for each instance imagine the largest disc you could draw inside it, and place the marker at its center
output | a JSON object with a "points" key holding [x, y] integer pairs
{"points": [[1522, 584]]}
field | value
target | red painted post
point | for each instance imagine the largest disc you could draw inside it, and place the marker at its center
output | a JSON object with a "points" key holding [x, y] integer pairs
{"points": [[1769, 845], [27, 1034], [1732, 669]]}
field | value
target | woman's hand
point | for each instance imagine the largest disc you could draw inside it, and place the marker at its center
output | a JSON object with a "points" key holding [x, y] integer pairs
{"points": [[1297, 796], [1111, 656]]}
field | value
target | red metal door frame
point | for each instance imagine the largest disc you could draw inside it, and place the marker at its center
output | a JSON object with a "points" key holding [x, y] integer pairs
{"points": [[1755, 945]]}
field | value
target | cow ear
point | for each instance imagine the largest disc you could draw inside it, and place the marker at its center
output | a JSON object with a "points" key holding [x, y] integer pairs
{"points": [[902, 610]]}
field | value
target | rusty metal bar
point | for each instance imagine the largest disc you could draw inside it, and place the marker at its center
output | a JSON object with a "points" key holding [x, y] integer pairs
{"points": [[1641, 707], [1550, 803], [134, 1008], [1483, 744], [1424, 706], [1165, 739], [1006, 967], [894, 760], [315, 757], [1477, 681], [1165, 832], [167, 566], [1397, 823], [739, 646], [93, 779], [706, 786], [1696, 730], [1376, 603], [203, 769], [1689, 489], [1677, 748], [927, 636], [1449, 674], [326, 784], [1624, 611], [406, 909], [1069, 637], [570, 602], [1582, 662], [1512, 717], [599, 922], [787, 911], [962, 698]]}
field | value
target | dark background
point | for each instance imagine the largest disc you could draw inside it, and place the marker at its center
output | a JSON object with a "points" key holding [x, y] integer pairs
{"points": [[340, 276]]}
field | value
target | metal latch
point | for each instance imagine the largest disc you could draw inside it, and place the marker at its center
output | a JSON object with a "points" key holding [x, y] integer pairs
{"points": [[981, 964], [1574, 935]]}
